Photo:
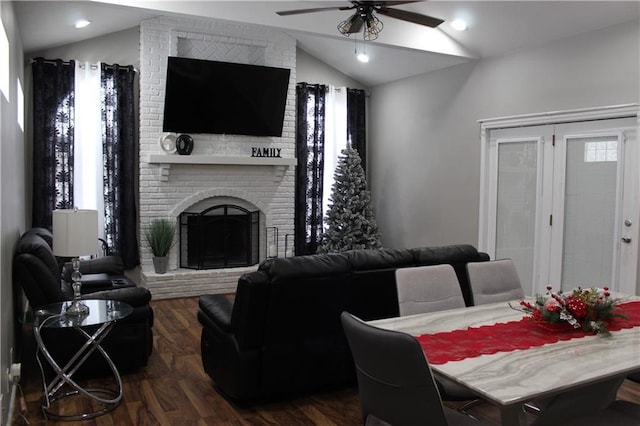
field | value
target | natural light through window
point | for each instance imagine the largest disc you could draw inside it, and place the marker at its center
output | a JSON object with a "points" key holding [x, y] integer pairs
{"points": [[4, 62], [20, 105], [600, 151]]}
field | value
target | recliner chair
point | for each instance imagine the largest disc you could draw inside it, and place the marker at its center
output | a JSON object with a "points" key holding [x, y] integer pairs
{"points": [[37, 272]]}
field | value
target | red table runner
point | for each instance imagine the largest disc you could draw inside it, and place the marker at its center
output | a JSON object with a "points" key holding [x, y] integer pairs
{"points": [[457, 345]]}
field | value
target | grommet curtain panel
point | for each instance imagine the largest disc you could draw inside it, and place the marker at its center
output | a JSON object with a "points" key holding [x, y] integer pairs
{"points": [[53, 150], [356, 123], [53, 141], [120, 154], [311, 143], [310, 171]]}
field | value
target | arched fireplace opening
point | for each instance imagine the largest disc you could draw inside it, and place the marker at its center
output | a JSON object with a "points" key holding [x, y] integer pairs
{"points": [[223, 236]]}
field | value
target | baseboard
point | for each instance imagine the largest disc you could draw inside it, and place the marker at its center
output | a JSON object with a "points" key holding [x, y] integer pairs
{"points": [[12, 403]]}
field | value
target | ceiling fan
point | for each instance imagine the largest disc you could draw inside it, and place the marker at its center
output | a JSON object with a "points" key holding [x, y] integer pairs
{"points": [[365, 19]]}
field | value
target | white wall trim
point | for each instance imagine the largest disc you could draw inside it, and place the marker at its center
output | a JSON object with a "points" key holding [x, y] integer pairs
{"points": [[567, 116]]}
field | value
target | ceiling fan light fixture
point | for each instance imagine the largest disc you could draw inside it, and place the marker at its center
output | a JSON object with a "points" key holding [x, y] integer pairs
{"points": [[372, 28], [344, 27]]}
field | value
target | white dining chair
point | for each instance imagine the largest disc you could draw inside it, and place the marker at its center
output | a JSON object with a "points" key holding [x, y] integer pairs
{"points": [[428, 289], [433, 288], [494, 281]]}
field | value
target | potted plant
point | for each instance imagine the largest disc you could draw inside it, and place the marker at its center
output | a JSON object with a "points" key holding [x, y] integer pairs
{"points": [[160, 236]]}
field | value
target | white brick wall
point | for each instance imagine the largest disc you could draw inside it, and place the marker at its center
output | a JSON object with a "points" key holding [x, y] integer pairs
{"points": [[184, 185]]}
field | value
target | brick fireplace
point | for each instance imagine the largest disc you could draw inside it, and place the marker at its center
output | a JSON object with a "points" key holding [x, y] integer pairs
{"points": [[220, 170]]}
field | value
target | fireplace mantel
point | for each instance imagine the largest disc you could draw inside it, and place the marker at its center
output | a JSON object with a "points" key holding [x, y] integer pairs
{"points": [[280, 165]]}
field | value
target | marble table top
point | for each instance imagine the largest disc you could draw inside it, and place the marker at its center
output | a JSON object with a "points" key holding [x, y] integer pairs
{"points": [[508, 378]]}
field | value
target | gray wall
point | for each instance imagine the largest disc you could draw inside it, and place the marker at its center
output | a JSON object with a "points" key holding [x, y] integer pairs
{"points": [[424, 145], [311, 70], [12, 193], [122, 47]]}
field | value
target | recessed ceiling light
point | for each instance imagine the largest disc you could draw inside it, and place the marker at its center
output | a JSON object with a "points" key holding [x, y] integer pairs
{"points": [[82, 23], [458, 24]]}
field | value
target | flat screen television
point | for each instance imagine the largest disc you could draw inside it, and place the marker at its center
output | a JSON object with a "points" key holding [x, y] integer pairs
{"points": [[224, 98]]}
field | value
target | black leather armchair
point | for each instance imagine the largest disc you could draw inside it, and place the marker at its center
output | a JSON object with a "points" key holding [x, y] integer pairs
{"points": [[37, 273]]}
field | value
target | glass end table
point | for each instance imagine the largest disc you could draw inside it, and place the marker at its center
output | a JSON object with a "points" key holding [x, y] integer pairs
{"points": [[102, 313]]}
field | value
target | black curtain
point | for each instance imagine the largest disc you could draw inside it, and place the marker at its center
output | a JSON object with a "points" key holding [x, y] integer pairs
{"points": [[120, 161], [309, 173], [53, 121], [356, 123]]}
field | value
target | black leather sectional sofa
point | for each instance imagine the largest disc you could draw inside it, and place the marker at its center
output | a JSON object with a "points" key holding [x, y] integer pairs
{"points": [[282, 336]]}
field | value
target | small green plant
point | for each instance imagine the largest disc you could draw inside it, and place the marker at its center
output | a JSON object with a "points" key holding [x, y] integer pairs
{"points": [[159, 236]]}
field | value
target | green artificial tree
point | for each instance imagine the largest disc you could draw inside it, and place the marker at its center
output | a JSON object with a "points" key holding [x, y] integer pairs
{"points": [[350, 223]]}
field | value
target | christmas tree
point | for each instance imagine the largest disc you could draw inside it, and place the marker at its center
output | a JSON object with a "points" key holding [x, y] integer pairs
{"points": [[350, 223]]}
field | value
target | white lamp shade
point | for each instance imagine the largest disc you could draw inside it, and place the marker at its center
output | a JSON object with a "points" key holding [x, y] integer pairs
{"points": [[75, 232]]}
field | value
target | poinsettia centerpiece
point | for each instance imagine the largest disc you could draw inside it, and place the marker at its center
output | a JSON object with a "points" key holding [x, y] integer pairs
{"points": [[590, 309]]}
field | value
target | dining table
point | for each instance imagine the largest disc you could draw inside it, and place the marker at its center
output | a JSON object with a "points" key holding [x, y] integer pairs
{"points": [[498, 352]]}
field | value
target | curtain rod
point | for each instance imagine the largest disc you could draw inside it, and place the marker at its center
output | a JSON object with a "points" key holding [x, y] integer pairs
{"points": [[51, 61], [81, 64]]}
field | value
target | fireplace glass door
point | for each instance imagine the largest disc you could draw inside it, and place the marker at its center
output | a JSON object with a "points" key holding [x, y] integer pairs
{"points": [[224, 236]]}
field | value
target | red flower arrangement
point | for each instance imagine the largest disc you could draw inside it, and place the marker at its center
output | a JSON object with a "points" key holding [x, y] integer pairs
{"points": [[590, 309]]}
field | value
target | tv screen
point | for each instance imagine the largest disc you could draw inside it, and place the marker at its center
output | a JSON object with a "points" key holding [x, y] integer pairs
{"points": [[222, 97]]}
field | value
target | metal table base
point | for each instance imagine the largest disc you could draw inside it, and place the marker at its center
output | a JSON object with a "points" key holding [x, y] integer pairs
{"points": [[63, 385]]}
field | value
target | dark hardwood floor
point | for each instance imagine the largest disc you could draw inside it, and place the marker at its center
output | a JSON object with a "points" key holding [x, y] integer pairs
{"points": [[174, 390]]}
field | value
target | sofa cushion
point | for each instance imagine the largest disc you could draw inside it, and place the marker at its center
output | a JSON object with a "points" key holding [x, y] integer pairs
{"points": [[290, 268], [372, 291], [459, 253], [43, 233], [32, 243], [303, 341], [305, 292], [367, 260]]}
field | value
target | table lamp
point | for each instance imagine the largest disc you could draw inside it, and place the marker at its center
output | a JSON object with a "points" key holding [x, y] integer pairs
{"points": [[75, 234]]}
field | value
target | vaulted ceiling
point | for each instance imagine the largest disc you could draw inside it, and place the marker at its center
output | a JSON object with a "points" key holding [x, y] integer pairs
{"points": [[403, 49]]}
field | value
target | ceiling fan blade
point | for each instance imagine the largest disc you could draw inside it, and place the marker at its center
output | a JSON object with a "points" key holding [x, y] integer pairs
{"points": [[391, 3], [416, 18], [318, 9]]}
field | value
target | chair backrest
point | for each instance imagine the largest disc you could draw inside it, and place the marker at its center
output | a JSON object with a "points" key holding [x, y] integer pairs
{"points": [[394, 379], [36, 271], [494, 281], [428, 289]]}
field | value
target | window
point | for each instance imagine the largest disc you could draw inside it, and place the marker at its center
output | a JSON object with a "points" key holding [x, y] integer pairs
{"points": [[600, 151], [20, 105], [4, 62]]}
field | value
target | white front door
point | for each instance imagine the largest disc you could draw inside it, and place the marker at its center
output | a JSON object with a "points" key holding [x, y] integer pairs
{"points": [[561, 200]]}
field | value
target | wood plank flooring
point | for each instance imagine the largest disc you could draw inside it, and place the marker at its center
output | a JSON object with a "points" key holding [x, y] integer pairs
{"points": [[174, 390]]}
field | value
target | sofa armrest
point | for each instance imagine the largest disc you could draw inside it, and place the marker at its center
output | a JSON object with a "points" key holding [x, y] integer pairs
{"points": [[110, 265], [216, 308], [135, 296]]}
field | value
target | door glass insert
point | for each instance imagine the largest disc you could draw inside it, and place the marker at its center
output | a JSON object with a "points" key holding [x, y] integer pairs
{"points": [[589, 212], [516, 206]]}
